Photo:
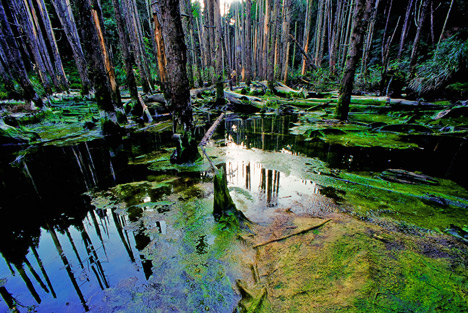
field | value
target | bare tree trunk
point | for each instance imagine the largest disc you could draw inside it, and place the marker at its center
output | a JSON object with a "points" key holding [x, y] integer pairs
{"points": [[368, 43], [361, 16], [248, 43], [284, 60], [277, 45], [99, 66], [419, 25], [219, 54], [307, 30], [404, 30], [175, 50], [24, 17], [266, 37], [445, 23], [136, 38], [65, 15], [271, 45], [58, 66], [319, 33], [14, 63], [161, 53], [184, 8], [127, 58]]}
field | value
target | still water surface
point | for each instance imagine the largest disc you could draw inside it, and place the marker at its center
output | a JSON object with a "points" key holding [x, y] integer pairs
{"points": [[60, 253]]}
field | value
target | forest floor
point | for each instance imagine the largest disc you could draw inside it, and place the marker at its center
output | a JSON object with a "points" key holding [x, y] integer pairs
{"points": [[363, 238]]}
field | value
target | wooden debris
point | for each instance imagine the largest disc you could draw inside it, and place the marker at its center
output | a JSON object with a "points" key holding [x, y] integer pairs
{"points": [[293, 234]]}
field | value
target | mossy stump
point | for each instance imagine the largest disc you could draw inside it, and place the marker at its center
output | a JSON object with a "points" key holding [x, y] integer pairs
{"points": [[224, 209], [186, 149]]}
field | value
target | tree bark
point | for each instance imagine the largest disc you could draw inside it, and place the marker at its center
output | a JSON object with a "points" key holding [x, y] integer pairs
{"points": [[99, 66], [58, 66], [404, 30], [127, 58], [219, 54], [9, 49], [175, 51], [248, 43], [361, 16], [307, 30], [65, 15], [420, 23]]}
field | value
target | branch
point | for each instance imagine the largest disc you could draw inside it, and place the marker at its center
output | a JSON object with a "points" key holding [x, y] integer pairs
{"points": [[211, 130], [310, 62], [291, 235]]}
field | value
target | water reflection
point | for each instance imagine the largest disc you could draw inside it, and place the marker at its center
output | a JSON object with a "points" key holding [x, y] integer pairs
{"points": [[58, 250]]}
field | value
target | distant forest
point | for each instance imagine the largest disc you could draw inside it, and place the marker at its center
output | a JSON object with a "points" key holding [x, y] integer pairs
{"points": [[418, 47]]}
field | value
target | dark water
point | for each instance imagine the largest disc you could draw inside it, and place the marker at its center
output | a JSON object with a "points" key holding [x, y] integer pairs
{"points": [[59, 253]]}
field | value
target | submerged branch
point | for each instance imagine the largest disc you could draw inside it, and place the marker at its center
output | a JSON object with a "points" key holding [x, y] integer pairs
{"points": [[291, 235]]}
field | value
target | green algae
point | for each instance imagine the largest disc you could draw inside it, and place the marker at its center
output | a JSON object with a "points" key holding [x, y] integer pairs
{"points": [[353, 267], [193, 273]]}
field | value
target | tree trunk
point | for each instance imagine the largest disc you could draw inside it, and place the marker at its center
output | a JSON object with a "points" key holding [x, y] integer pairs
{"points": [[285, 39], [128, 62], [361, 16], [266, 38], [218, 54], [368, 43], [65, 15], [186, 27], [99, 66], [58, 66], [248, 43], [307, 30], [24, 16], [136, 39], [404, 30], [419, 25], [161, 53], [175, 51], [14, 63]]}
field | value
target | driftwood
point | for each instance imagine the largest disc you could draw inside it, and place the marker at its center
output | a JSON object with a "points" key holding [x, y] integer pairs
{"points": [[196, 93], [211, 130], [293, 234], [157, 97], [283, 89]]}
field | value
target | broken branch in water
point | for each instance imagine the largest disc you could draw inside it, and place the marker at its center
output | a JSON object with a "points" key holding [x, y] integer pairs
{"points": [[291, 235]]}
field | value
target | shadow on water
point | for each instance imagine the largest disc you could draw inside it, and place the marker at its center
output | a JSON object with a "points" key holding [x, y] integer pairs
{"points": [[60, 251]]}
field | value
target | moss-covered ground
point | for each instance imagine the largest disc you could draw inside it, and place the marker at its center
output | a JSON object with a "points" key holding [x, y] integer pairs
{"points": [[362, 242]]}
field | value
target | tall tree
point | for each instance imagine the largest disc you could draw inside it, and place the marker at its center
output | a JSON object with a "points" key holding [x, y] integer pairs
{"points": [[248, 42], [100, 67], [127, 58], [11, 55], [419, 25], [175, 51], [361, 16], [307, 31], [219, 53], [65, 15]]}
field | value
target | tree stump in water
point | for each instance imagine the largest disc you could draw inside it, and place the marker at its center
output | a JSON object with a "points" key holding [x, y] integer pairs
{"points": [[224, 209], [186, 149]]}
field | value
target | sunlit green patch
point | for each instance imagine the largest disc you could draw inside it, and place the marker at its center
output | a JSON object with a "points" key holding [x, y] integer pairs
{"points": [[369, 139], [427, 206]]}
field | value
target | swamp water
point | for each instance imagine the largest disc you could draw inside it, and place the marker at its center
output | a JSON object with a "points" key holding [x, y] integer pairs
{"points": [[108, 225]]}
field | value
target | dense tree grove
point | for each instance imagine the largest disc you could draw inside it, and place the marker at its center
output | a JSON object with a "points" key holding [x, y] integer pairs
{"points": [[418, 47]]}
